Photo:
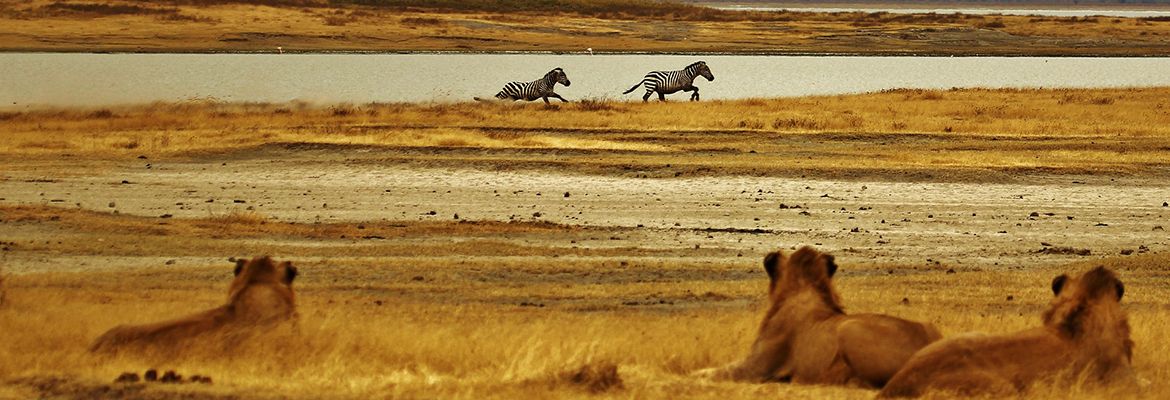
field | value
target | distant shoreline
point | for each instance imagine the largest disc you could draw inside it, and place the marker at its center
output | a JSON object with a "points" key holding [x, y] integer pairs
{"points": [[580, 53], [949, 5]]}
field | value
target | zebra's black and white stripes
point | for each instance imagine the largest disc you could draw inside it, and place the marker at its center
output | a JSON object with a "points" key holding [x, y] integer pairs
{"points": [[539, 89], [667, 82]]}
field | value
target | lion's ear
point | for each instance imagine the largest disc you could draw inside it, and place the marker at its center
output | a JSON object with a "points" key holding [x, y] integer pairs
{"points": [[1120, 290], [1058, 283], [771, 262], [290, 273], [830, 264], [239, 267]]}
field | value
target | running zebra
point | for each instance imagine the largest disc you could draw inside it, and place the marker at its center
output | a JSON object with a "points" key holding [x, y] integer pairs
{"points": [[667, 82], [539, 89]]}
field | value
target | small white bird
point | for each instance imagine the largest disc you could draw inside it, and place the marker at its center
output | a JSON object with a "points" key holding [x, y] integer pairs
{"points": [[279, 50], [590, 50]]}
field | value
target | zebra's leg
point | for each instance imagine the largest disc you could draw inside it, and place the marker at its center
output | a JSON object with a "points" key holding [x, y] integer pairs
{"points": [[695, 95], [559, 97], [661, 97], [545, 99], [646, 97]]}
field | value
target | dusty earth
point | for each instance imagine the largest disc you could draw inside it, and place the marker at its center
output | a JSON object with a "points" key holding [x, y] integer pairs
{"points": [[1034, 220]]}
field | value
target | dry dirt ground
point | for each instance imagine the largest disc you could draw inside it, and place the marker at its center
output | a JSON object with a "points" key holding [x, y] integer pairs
{"points": [[506, 279]]}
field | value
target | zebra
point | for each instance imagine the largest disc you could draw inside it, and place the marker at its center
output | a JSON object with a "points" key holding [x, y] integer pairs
{"points": [[539, 89], [667, 82]]}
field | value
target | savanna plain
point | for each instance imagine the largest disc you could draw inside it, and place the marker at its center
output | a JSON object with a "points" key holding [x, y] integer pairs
{"points": [[589, 249]]}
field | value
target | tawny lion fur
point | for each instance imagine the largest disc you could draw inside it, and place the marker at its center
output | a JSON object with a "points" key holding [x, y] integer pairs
{"points": [[260, 294], [1085, 336], [806, 336]]}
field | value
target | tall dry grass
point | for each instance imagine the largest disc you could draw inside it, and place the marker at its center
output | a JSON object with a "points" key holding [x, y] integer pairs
{"points": [[180, 127], [1073, 130], [360, 342]]}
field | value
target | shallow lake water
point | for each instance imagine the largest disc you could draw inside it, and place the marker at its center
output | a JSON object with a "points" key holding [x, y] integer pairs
{"points": [[103, 79]]}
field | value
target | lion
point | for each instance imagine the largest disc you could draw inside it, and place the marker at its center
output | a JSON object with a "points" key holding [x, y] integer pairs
{"points": [[806, 336], [1085, 336], [261, 294]]}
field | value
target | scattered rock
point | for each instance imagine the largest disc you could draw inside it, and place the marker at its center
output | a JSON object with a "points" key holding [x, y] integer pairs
{"points": [[171, 377], [1010, 297], [125, 182], [1045, 244], [1101, 224], [1034, 214], [417, 278], [142, 157], [905, 301], [536, 214], [1158, 228], [566, 194], [238, 201], [1165, 204], [170, 262], [1126, 252], [951, 271], [127, 377], [150, 375], [112, 205], [165, 216]]}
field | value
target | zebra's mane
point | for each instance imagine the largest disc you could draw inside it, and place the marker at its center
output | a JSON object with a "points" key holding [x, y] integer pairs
{"points": [[695, 64]]}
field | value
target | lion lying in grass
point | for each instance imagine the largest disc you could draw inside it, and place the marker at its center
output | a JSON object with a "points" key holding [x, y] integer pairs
{"points": [[260, 294], [806, 336], [1085, 337]]}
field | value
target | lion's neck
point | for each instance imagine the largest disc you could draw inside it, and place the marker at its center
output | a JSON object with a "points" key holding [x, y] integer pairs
{"points": [[809, 305]]}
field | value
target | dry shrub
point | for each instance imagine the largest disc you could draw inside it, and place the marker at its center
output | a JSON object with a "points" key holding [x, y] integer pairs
{"points": [[797, 123], [421, 21], [594, 105], [595, 378], [998, 23], [1065, 250], [3, 297], [104, 113], [750, 124], [240, 218]]}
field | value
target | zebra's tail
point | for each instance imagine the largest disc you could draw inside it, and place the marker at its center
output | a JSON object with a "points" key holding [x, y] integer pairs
{"points": [[632, 89]]}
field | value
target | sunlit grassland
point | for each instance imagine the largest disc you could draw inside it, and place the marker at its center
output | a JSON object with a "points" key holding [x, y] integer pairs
{"points": [[1122, 130], [491, 325]]}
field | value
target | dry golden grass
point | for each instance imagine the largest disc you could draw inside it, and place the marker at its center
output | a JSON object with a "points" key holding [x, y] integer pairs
{"points": [[566, 25], [1083, 131], [416, 326]]}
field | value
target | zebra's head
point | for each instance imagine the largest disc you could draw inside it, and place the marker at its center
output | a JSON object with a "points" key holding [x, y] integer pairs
{"points": [[558, 75], [702, 69]]}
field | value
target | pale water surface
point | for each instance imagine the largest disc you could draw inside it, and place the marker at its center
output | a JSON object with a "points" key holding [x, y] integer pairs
{"points": [[102, 79]]}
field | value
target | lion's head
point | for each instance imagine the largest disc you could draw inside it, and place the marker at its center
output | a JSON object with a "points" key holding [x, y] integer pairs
{"points": [[262, 290], [805, 271], [1089, 306]]}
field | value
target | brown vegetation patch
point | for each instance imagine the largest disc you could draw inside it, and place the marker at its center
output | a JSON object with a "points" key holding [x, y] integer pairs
{"points": [[594, 377]]}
